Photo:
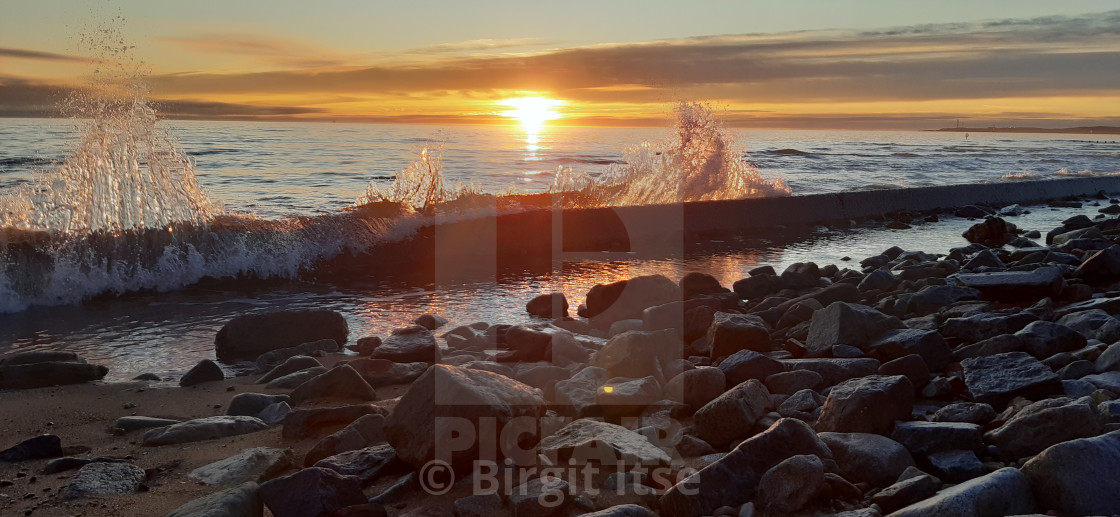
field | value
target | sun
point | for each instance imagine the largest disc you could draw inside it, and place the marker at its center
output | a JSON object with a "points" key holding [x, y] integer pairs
{"points": [[532, 112]]}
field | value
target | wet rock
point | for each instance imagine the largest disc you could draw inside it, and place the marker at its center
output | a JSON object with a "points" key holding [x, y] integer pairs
{"points": [[985, 325], [240, 501], [268, 360], [588, 441], [302, 423], [251, 404], [835, 370], [257, 464], [365, 464], [956, 466], [359, 434], [697, 284], [294, 379], [1108, 360], [789, 485], [379, 373], [801, 275], [50, 373], [906, 491], [409, 345], [445, 399], [1016, 286], [732, 414], [340, 382], [878, 280], [999, 378], [968, 412], [290, 365], [637, 354], [984, 259], [103, 479], [39, 447], [1003, 492], [803, 405], [626, 299], [929, 437], [1042, 424], [935, 298], [973, 212], [148, 376], [249, 336], [868, 458], [1078, 477], [757, 286], [993, 232], [895, 344], [430, 321], [366, 345], [311, 491], [695, 388], [732, 479], [205, 371], [847, 324], [543, 377], [731, 333], [1102, 267], [528, 345], [39, 356], [209, 428], [868, 405], [745, 365], [552, 305]]}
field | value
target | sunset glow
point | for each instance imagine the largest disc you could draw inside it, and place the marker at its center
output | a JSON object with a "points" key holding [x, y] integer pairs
{"points": [[532, 112]]}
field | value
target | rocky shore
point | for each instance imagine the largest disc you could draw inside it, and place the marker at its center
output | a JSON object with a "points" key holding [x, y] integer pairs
{"points": [[981, 381]]}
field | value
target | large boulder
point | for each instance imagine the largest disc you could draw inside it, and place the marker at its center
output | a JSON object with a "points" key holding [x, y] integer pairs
{"points": [[1016, 286], [208, 428], [979, 327], [992, 232], [999, 378], [847, 324], [1078, 477], [240, 501], [870, 458], [579, 395], [791, 484], [1102, 267], [834, 370], [588, 441], [903, 342], [1003, 492], [205, 371], [731, 333], [102, 479], [39, 447], [256, 464], [733, 479], [443, 413], [1042, 424], [868, 405], [302, 423], [409, 345], [340, 382], [311, 491], [250, 335], [745, 365], [366, 464], [636, 354], [626, 299], [732, 414], [697, 387], [290, 365], [551, 305], [361, 433], [930, 437], [49, 373]]}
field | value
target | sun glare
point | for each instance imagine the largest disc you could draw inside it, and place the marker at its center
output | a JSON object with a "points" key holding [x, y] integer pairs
{"points": [[532, 112]]}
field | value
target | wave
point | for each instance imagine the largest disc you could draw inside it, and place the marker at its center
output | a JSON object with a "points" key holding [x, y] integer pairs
{"points": [[211, 152], [26, 161], [790, 152]]}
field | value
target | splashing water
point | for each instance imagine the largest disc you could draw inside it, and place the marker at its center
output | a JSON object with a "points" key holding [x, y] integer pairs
{"points": [[701, 164]]}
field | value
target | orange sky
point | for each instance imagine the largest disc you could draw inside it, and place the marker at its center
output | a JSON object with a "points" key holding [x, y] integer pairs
{"points": [[1017, 65]]}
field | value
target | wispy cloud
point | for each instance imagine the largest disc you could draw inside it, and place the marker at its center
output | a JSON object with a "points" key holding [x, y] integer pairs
{"points": [[480, 45], [36, 54], [279, 51]]}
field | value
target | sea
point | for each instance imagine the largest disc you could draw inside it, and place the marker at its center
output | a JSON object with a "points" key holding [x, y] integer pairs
{"points": [[288, 171]]}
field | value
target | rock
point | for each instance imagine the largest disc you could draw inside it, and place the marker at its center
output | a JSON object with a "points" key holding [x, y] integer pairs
{"points": [[1078, 477], [972, 212], [1106, 381], [311, 491], [205, 371], [365, 464], [291, 365], [248, 336], [209, 428], [983, 259], [132, 423], [985, 325], [148, 376], [1016, 286], [588, 441], [695, 388], [898, 343], [731, 333], [103, 479], [993, 232], [732, 479], [847, 324], [745, 365], [39, 447], [1102, 267], [694, 285], [529, 345], [552, 305], [268, 360], [801, 275], [1076, 370], [968, 412], [627, 397], [622, 510], [430, 321], [626, 299], [240, 501], [275, 413], [804, 405], [999, 378], [935, 298], [51, 373], [906, 491], [868, 405], [1109, 359], [540, 497], [294, 379], [543, 377], [379, 373], [834, 371], [929, 437], [912, 367], [302, 423], [257, 465], [71, 463], [366, 345], [579, 395], [359, 434], [1042, 424], [956, 466], [689, 446], [251, 404], [340, 382], [409, 345], [637, 354], [39, 356], [878, 280], [755, 287], [447, 401], [1043, 339], [1003, 492], [868, 458], [789, 485], [732, 414], [478, 505]]}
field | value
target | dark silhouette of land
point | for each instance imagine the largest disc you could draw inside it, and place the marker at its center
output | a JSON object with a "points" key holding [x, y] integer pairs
{"points": [[1081, 130]]}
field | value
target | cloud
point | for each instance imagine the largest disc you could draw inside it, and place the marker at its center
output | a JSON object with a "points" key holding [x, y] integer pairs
{"points": [[36, 54], [279, 51], [478, 45]]}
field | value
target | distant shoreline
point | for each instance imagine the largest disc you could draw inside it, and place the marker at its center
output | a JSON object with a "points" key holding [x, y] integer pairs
{"points": [[1081, 130]]}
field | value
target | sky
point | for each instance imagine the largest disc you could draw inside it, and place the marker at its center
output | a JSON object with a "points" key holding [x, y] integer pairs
{"points": [[798, 64]]}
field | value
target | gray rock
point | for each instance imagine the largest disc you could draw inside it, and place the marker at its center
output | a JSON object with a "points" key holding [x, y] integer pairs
{"points": [[51, 373], [269, 360], [71, 463], [302, 423], [257, 465], [969, 412], [731, 333], [409, 345], [1076, 370], [997, 379], [340, 382], [366, 345], [209, 428], [868, 458], [847, 324], [1003, 492], [745, 365], [788, 383], [906, 491], [834, 371], [1102, 267], [275, 413], [956, 466], [448, 399], [985, 325], [898, 343], [240, 501], [543, 377], [1106, 381], [791, 484], [293, 380], [311, 491], [552, 305], [40, 356], [804, 405], [1043, 339], [929, 437], [1078, 477], [1042, 424], [365, 464], [1093, 324], [912, 367], [251, 404], [1016, 286], [627, 396], [623, 510], [934, 298], [290, 365], [878, 280], [132, 423], [359, 434], [540, 497], [637, 354], [102, 479], [601, 443], [732, 414], [248, 336], [430, 321], [697, 387], [579, 395], [379, 373], [1109, 359], [482, 505], [205, 371], [868, 405]]}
